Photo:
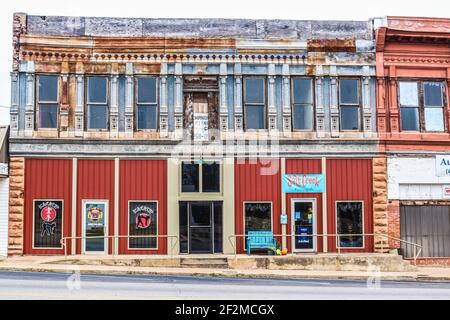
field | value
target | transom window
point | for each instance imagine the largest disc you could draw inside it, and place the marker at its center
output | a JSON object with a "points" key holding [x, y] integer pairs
{"points": [[421, 106], [255, 103], [302, 104], [349, 104], [47, 101], [97, 102], [200, 176], [146, 103]]}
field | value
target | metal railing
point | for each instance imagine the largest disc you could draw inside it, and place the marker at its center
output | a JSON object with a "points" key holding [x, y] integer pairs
{"points": [[113, 247], [417, 247]]}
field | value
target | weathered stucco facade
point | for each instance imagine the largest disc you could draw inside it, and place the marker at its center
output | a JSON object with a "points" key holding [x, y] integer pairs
{"points": [[196, 64]]}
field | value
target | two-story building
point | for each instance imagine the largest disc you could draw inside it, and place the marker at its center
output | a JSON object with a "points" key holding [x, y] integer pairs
{"points": [[413, 111], [193, 131]]}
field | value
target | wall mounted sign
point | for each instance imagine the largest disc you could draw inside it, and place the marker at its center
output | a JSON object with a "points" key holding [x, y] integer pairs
{"points": [[442, 166], [4, 169], [446, 192], [47, 223], [201, 132], [303, 183], [283, 218]]}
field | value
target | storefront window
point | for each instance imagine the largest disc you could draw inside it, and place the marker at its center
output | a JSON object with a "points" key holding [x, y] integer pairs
{"points": [[211, 177], [48, 223], [200, 177], [189, 177], [258, 216], [143, 221], [350, 221]]}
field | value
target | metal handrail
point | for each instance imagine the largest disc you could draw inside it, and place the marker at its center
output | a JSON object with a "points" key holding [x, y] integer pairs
{"points": [[338, 236], [173, 244]]}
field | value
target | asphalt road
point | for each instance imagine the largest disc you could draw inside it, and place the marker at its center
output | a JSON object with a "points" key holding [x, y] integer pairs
{"points": [[22, 285]]}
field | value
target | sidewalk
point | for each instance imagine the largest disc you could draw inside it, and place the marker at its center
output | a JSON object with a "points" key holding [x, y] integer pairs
{"points": [[45, 264]]}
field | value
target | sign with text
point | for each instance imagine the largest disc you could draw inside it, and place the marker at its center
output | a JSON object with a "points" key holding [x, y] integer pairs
{"points": [[443, 166], [4, 169], [446, 192], [201, 132], [303, 183]]}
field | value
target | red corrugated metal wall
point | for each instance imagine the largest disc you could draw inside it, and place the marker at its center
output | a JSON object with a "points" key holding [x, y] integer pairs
{"points": [[143, 180], [304, 166], [349, 179], [252, 184], [95, 181], [47, 179]]}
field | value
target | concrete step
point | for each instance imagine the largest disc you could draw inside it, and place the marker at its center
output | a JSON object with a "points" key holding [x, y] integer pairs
{"points": [[218, 263]]}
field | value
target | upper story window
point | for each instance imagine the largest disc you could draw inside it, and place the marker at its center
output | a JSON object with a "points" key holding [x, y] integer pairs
{"points": [[200, 177], [47, 97], [255, 103], [302, 104], [97, 103], [349, 104], [146, 103], [421, 106]]}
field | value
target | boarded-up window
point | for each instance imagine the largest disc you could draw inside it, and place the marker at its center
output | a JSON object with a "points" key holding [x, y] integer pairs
{"points": [[48, 218], [143, 221]]}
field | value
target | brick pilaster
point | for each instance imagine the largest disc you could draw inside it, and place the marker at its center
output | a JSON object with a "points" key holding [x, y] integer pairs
{"points": [[16, 206], [380, 206]]}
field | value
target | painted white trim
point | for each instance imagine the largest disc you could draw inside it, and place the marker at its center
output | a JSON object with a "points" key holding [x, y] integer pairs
{"points": [[74, 205], [33, 226], [105, 226], [314, 219], [128, 225]]}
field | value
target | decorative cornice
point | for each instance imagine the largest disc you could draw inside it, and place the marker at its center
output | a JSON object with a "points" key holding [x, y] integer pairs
{"points": [[421, 60]]}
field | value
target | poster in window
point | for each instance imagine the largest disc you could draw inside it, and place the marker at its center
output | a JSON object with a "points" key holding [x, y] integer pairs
{"points": [[142, 221], [48, 223]]}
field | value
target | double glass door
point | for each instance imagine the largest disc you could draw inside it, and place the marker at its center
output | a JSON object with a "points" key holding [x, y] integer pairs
{"points": [[200, 227]]}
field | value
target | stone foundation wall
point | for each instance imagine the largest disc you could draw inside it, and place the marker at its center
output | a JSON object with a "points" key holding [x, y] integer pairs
{"points": [[16, 206], [380, 205]]}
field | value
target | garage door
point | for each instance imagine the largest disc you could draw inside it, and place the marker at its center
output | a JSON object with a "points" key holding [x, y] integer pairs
{"points": [[428, 226]]}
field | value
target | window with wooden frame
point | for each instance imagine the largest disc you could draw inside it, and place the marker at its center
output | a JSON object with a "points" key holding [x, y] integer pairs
{"points": [[350, 224], [146, 97], [97, 103], [47, 101], [349, 104], [255, 103], [421, 106], [302, 104]]}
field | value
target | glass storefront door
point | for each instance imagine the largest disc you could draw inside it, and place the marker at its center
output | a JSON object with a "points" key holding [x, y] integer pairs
{"points": [[304, 224], [95, 217]]}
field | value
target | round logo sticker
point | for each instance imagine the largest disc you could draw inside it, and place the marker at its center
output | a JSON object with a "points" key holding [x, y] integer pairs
{"points": [[142, 220], [48, 214], [95, 214]]}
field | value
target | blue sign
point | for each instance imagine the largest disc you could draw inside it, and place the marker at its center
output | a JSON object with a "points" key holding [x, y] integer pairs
{"points": [[303, 183]]}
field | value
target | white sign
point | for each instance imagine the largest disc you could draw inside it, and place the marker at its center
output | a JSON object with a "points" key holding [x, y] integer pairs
{"points": [[446, 192], [443, 166], [201, 132], [3, 169]]}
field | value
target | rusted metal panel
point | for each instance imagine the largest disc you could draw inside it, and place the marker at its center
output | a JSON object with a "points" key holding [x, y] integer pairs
{"points": [[331, 45], [304, 166], [349, 180], [47, 179], [95, 181], [143, 180], [254, 182], [144, 68]]}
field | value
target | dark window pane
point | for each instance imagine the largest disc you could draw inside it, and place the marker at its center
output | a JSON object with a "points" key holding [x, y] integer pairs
{"points": [[217, 227], [146, 117], [200, 214], [48, 88], [183, 227], [254, 90], [349, 118], [211, 177], [303, 117], [434, 119], [258, 217], [348, 89], [97, 117], [147, 90], [408, 94], [409, 119], [302, 91], [97, 89], [142, 221], [349, 221], [433, 93], [190, 177], [48, 114], [254, 117], [48, 224]]}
